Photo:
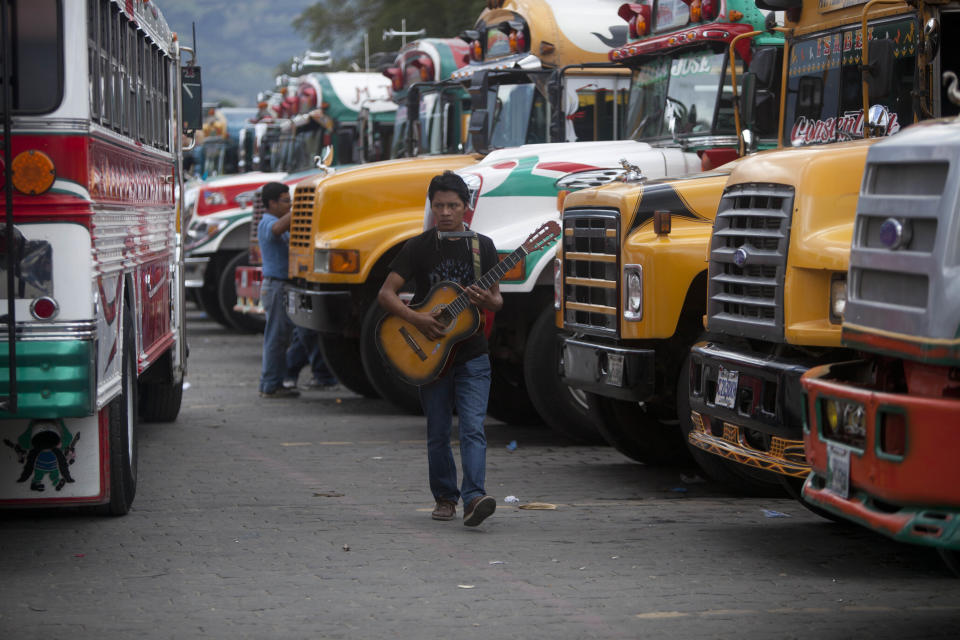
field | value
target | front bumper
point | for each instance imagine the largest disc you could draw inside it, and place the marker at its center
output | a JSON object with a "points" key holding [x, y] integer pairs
{"points": [[608, 370], [912, 497], [929, 526], [764, 427], [194, 270], [323, 311]]}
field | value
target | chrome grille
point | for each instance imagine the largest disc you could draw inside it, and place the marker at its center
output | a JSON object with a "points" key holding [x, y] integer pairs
{"points": [[748, 257], [302, 218], [591, 241]]}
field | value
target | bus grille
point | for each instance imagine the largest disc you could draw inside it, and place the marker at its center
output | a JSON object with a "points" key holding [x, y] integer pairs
{"points": [[882, 277], [302, 219], [591, 242], [748, 258]]}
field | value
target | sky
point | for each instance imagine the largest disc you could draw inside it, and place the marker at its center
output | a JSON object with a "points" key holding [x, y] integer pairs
{"points": [[239, 42]]}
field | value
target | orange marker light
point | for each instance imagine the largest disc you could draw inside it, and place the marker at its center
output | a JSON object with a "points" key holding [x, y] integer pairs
{"points": [[33, 172], [342, 261]]}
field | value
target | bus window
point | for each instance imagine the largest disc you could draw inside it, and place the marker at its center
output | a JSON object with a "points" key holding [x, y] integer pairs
{"points": [[824, 90], [37, 73], [519, 116]]}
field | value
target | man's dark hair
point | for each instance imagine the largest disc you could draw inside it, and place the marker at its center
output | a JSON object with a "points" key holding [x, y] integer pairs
{"points": [[449, 181], [272, 192]]}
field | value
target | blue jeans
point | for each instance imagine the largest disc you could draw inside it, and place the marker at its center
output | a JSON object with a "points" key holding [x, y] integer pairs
{"points": [[305, 347], [276, 335], [466, 385]]}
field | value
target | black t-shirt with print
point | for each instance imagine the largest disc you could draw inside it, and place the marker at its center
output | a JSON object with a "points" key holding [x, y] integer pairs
{"points": [[426, 260]]}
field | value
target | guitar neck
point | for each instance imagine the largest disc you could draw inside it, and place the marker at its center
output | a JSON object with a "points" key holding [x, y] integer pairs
{"points": [[489, 279]]}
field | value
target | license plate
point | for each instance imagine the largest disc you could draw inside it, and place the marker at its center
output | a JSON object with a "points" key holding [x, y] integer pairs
{"points": [[615, 369], [727, 388], [291, 303], [838, 470]]}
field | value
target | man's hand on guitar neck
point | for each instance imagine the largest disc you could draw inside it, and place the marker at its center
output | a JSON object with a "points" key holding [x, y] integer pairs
{"points": [[489, 299]]}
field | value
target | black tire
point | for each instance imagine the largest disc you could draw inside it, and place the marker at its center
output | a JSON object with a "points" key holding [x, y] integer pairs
{"points": [[123, 441], [342, 355], [160, 401], [640, 434], [951, 558], [509, 401], [208, 295], [730, 474], [566, 410], [384, 380]]}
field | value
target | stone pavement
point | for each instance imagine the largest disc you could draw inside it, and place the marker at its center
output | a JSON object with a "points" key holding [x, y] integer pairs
{"points": [[310, 518]]}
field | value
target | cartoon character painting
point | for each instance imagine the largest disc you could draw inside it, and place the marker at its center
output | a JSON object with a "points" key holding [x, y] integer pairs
{"points": [[45, 448]]}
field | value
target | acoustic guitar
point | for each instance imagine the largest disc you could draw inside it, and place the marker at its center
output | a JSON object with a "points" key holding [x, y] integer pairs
{"points": [[419, 360]]}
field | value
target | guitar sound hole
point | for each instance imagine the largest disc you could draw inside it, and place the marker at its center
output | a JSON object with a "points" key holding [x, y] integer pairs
{"points": [[445, 317]]}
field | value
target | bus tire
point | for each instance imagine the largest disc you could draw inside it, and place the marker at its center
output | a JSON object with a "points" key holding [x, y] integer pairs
{"points": [[122, 419], [208, 294], [160, 401], [387, 384], [227, 298], [566, 410], [342, 355], [639, 434]]}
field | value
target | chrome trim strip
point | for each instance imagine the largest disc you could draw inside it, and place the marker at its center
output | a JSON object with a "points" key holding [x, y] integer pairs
{"points": [[34, 331]]}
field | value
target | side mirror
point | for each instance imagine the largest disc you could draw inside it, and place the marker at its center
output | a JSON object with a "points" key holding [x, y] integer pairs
{"points": [[191, 99], [748, 98], [765, 66], [479, 112], [413, 103], [479, 129], [879, 71], [878, 121]]}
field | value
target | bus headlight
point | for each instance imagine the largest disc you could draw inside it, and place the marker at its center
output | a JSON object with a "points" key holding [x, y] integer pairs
{"points": [[838, 297], [336, 261], [633, 292]]}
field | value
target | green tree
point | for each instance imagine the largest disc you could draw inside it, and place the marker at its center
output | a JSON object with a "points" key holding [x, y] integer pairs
{"points": [[337, 26]]}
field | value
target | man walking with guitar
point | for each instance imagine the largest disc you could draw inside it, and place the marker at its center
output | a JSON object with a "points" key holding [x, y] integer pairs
{"points": [[449, 253]]}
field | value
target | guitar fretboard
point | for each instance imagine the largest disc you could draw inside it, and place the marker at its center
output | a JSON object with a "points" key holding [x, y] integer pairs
{"points": [[488, 280]]}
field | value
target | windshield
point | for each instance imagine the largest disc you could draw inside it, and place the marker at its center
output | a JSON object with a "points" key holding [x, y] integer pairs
{"points": [[519, 117], [686, 94], [37, 66], [824, 89]]}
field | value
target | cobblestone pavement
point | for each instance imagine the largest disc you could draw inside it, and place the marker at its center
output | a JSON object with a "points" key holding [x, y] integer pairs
{"points": [[310, 518]]}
